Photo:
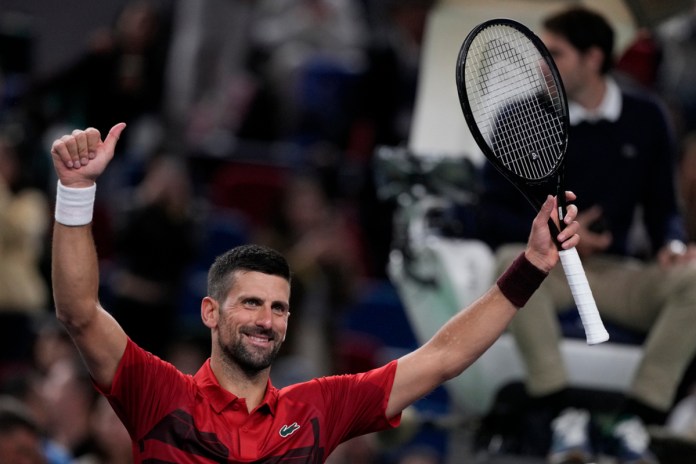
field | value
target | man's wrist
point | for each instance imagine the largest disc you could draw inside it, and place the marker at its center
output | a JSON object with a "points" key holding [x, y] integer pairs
{"points": [[75, 205], [519, 282]]}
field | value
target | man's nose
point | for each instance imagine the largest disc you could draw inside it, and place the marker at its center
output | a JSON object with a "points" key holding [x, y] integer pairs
{"points": [[264, 317]]}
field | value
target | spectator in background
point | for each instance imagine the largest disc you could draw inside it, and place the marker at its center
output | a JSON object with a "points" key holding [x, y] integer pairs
{"points": [[112, 444], [69, 398], [621, 159], [20, 436], [52, 346], [26, 388], [24, 295], [155, 245]]}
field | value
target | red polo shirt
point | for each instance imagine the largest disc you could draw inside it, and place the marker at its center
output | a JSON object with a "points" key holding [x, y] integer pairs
{"points": [[178, 418]]}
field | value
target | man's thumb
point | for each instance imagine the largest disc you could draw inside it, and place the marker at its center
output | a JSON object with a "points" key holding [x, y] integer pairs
{"points": [[114, 134]]}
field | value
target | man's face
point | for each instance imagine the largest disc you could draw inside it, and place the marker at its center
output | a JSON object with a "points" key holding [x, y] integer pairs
{"points": [[254, 320], [572, 65]]}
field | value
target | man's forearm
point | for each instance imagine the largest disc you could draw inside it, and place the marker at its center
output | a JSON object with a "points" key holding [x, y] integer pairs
{"points": [[75, 274]]}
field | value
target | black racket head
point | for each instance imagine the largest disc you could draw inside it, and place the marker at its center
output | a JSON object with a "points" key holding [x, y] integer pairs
{"points": [[513, 100]]}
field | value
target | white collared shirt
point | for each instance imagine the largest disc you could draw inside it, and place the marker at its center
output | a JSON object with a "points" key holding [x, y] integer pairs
{"points": [[609, 109]]}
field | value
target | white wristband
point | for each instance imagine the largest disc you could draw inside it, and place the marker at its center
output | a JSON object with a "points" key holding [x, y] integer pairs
{"points": [[74, 206]]}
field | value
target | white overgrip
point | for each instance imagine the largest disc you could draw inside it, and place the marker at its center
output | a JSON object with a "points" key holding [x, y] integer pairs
{"points": [[582, 294]]}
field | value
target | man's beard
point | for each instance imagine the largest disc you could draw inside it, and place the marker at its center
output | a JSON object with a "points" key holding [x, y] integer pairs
{"points": [[249, 361]]}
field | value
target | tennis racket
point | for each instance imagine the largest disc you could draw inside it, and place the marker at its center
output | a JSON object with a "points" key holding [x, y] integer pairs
{"points": [[515, 106]]}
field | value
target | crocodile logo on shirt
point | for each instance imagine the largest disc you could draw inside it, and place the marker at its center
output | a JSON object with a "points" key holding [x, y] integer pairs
{"points": [[287, 430]]}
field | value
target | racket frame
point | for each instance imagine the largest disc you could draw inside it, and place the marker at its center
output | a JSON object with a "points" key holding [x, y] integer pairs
{"points": [[523, 184]]}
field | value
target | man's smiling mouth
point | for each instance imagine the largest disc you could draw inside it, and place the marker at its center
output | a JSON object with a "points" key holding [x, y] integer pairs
{"points": [[260, 340]]}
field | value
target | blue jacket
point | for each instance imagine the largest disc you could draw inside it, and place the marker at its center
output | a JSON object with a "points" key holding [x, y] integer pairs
{"points": [[620, 166]]}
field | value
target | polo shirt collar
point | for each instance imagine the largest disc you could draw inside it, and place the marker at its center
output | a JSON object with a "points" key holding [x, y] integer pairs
{"points": [[220, 398], [609, 109]]}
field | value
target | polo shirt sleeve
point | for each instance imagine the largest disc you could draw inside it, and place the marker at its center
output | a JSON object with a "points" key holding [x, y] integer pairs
{"points": [[356, 404], [144, 389]]}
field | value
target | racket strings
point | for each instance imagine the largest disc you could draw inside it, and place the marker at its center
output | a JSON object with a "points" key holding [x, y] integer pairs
{"points": [[515, 102]]}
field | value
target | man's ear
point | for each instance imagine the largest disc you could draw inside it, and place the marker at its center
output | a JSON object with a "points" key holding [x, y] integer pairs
{"points": [[210, 312], [595, 56]]}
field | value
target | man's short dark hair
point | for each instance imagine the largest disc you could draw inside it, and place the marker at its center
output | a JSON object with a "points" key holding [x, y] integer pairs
{"points": [[584, 29], [256, 258]]}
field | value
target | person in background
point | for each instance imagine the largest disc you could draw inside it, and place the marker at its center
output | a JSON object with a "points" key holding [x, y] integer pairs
{"points": [[68, 397], [621, 162], [20, 436], [229, 410], [112, 445], [24, 292], [30, 387]]}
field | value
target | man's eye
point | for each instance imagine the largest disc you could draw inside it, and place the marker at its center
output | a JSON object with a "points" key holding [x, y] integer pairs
{"points": [[280, 309]]}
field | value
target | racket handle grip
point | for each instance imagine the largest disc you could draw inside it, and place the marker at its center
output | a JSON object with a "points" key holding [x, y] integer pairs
{"points": [[582, 294]]}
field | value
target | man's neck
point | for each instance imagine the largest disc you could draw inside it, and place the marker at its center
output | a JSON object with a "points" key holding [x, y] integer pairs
{"points": [[608, 108], [592, 94], [238, 382]]}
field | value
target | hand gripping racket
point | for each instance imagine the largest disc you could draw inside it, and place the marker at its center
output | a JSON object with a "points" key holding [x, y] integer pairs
{"points": [[515, 106]]}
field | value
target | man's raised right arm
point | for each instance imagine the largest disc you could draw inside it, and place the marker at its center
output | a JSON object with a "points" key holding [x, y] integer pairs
{"points": [[79, 158]]}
